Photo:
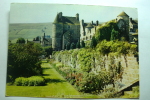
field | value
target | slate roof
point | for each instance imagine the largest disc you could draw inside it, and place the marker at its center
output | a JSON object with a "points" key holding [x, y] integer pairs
{"points": [[71, 20], [123, 14], [134, 22], [66, 20]]}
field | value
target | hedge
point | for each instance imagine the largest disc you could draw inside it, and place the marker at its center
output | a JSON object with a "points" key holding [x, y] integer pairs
{"points": [[30, 81]]}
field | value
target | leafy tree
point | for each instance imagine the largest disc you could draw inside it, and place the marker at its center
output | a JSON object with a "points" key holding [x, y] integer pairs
{"points": [[93, 42], [82, 44], [20, 40], [23, 60]]}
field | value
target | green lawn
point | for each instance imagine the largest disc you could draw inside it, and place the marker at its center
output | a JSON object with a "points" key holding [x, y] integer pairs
{"points": [[56, 87]]}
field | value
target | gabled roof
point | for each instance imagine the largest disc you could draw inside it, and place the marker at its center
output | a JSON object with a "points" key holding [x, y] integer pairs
{"points": [[123, 14]]}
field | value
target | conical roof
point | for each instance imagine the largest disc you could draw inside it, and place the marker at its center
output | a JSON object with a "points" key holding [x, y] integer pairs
{"points": [[89, 25], [56, 19], [123, 14]]}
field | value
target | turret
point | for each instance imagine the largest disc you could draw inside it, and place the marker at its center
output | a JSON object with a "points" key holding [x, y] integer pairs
{"points": [[123, 16]]}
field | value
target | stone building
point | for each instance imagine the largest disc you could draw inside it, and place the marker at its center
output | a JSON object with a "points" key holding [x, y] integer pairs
{"points": [[87, 30], [46, 40], [66, 30], [70, 30], [128, 25]]}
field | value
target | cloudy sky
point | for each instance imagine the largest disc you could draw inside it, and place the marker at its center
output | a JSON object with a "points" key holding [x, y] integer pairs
{"points": [[40, 13]]}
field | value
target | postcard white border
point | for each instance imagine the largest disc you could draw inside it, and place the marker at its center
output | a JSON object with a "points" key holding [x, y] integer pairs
{"points": [[144, 38]]}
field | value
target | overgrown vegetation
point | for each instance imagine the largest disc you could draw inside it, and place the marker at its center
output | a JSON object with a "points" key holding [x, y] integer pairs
{"points": [[80, 67]]}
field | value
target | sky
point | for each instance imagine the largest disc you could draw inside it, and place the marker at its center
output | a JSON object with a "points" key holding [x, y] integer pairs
{"points": [[43, 13]]}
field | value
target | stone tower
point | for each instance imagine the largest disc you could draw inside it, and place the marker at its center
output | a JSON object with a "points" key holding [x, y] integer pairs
{"points": [[65, 30], [123, 24], [57, 32]]}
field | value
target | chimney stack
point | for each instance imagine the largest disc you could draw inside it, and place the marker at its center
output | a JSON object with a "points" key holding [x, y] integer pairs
{"points": [[97, 23]]}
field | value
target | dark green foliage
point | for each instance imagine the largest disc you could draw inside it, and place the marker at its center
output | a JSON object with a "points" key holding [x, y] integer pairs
{"points": [[72, 46], [104, 32], [48, 50], [78, 44], [21, 40], [114, 35], [31, 81], [83, 73], [68, 46], [82, 44], [93, 42], [37, 38], [23, 60], [93, 83]]}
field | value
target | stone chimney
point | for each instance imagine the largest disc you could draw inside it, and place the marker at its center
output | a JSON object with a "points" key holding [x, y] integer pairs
{"points": [[82, 21], [97, 23], [92, 22], [60, 15], [77, 16]]}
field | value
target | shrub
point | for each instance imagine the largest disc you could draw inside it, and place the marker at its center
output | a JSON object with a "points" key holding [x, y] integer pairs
{"points": [[110, 92], [30, 81]]}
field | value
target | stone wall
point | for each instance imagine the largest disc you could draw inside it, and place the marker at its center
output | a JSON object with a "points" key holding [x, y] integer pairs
{"points": [[129, 64]]}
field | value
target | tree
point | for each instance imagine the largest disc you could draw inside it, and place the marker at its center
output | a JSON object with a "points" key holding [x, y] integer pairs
{"points": [[48, 50], [23, 60], [93, 42], [82, 44], [20, 40]]}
